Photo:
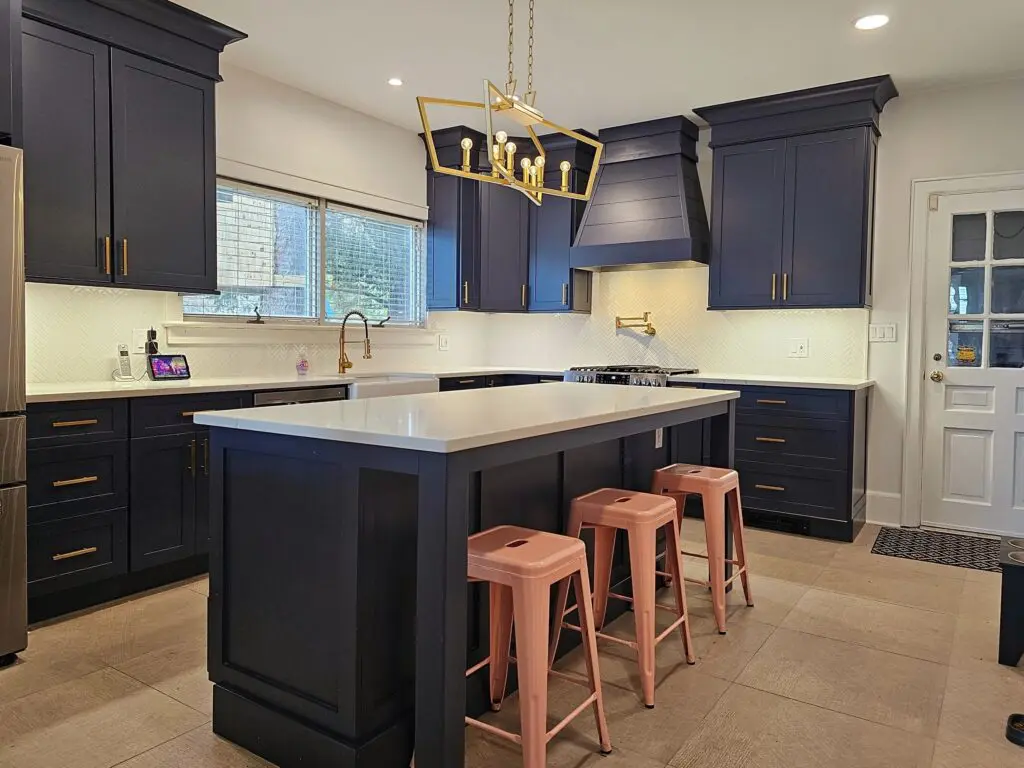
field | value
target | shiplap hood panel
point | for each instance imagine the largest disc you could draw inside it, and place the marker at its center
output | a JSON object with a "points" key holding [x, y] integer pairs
{"points": [[647, 208]]}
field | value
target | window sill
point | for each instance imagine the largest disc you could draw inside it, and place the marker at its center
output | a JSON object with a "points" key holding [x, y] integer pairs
{"points": [[209, 333]]}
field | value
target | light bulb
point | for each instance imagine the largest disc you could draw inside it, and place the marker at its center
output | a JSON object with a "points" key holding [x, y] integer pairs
{"points": [[510, 147], [501, 137], [564, 166], [539, 162], [467, 143], [525, 163]]}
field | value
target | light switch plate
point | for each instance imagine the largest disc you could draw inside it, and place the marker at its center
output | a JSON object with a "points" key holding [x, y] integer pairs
{"points": [[798, 348], [442, 342], [882, 333]]}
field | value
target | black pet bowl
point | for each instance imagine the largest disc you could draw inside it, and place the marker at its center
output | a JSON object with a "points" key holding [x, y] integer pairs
{"points": [[1015, 729]]}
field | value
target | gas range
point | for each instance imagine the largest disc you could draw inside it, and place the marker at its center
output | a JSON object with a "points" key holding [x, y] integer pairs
{"points": [[630, 375]]}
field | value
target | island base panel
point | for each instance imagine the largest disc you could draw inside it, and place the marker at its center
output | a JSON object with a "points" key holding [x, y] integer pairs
{"points": [[290, 743]]}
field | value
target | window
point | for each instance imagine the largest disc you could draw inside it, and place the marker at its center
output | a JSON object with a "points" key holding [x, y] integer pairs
{"points": [[299, 258]]}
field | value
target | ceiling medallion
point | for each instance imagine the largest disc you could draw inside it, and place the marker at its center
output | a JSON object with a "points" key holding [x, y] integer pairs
{"points": [[502, 151]]}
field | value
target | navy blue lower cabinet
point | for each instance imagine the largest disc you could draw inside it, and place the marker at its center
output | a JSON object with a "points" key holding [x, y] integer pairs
{"points": [[164, 473]]}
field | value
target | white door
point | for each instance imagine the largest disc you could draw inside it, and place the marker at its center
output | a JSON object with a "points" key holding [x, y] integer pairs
{"points": [[973, 474]]}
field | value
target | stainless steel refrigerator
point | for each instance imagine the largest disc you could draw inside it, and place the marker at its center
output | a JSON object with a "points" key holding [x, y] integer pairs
{"points": [[13, 496]]}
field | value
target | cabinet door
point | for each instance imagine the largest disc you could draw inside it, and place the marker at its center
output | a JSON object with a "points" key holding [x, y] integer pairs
{"points": [[824, 248], [163, 499], [203, 492], [453, 234], [164, 175], [67, 155], [746, 225], [554, 287], [504, 257]]}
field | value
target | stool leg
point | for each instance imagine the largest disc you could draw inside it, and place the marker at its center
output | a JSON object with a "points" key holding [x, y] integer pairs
{"points": [[642, 565], [581, 584], [531, 605], [736, 514], [573, 531], [501, 639], [604, 555], [675, 567], [714, 530]]}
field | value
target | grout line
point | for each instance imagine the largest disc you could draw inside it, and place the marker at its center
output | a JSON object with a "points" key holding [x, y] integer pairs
{"points": [[162, 743], [162, 693]]}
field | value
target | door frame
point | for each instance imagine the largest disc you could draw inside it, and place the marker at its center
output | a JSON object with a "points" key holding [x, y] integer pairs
{"points": [[913, 434]]}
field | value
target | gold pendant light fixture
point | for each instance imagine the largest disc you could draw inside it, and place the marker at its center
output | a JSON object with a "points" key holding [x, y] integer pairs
{"points": [[501, 151]]}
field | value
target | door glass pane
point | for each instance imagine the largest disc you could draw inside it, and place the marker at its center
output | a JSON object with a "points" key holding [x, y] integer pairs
{"points": [[1006, 344], [963, 348], [967, 291], [969, 237], [1008, 242], [1007, 289]]}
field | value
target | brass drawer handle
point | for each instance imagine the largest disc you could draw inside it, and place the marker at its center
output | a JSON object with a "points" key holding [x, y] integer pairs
{"points": [[770, 439], [188, 414], [467, 381], [79, 423], [76, 553], [770, 487], [771, 402], [75, 481]]}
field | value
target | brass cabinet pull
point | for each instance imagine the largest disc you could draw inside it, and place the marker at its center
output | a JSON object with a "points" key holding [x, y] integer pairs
{"points": [[773, 286], [106, 253], [769, 487], [467, 381], [188, 414], [78, 423], [785, 286], [76, 553], [191, 458], [75, 481], [465, 292], [770, 439], [206, 457], [565, 294], [124, 257], [524, 294], [771, 402]]}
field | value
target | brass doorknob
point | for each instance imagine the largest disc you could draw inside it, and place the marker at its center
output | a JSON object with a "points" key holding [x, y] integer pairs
{"points": [[937, 376]]}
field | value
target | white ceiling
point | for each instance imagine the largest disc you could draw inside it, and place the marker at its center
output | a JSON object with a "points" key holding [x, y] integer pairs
{"points": [[609, 62]]}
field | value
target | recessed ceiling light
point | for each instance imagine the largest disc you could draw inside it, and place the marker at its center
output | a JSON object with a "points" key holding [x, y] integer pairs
{"points": [[875, 21], [395, 81]]}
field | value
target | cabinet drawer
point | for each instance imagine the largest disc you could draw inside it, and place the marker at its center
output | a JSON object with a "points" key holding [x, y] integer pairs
{"points": [[804, 442], [75, 479], [78, 422], [795, 490], [68, 553], [810, 403], [153, 416], [463, 382]]}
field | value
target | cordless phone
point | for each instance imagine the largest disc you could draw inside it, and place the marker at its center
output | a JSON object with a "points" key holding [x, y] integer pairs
{"points": [[124, 362]]}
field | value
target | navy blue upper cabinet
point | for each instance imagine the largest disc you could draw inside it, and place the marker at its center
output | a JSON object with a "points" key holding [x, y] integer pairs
{"points": [[746, 225], [554, 285], [116, 96], [504, 239], [793, 197]]}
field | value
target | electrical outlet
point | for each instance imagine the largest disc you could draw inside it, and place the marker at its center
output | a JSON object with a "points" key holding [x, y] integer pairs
{"points": [[139, 339], [442, 342], [659, 438], [798, 348]]}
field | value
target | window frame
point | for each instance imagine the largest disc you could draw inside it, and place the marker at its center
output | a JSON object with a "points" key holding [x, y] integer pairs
{"points": [[323, 204]]}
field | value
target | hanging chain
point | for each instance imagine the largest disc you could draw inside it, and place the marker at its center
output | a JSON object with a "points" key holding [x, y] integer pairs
{"points": [[510, 84], [530, 95]]}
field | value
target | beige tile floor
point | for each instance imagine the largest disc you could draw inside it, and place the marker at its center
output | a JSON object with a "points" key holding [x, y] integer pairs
{"points": [[848, 660]]}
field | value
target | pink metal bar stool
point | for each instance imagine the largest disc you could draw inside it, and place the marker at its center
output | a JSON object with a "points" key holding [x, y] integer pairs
{"points": [[521, 565], [640, 515], [718, 488]]}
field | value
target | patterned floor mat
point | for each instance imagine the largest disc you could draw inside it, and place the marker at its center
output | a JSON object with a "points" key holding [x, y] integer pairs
{"points": [[935, 547]]}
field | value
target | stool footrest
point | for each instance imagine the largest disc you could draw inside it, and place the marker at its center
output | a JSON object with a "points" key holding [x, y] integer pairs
{"points": [[477, 667], [515, 738], [671, 628], [571, 716]]}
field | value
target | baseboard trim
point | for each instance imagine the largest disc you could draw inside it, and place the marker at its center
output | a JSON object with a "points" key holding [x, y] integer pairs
{"points": [[885, 508]]}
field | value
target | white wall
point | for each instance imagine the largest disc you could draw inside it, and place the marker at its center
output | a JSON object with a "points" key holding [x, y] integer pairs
{"points": [[272, 134], [957, 132]]}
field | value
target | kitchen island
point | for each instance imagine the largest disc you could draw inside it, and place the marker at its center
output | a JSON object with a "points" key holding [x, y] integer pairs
{"points": [[341, 623]]}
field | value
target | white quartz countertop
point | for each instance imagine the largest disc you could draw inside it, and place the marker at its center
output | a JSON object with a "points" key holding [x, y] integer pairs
{"points": [[446, 422], [740, 379]]}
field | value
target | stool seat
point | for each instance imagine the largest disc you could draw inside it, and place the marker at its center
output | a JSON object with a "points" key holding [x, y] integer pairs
{"points": [[696, 478], [522, 552], [618, 509]]}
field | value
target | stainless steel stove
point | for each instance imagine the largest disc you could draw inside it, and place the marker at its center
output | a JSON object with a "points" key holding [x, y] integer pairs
{"points": [[629, 375]]}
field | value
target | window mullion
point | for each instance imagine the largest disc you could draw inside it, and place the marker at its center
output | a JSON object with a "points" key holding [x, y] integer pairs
{"points": [[322, 288]]}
